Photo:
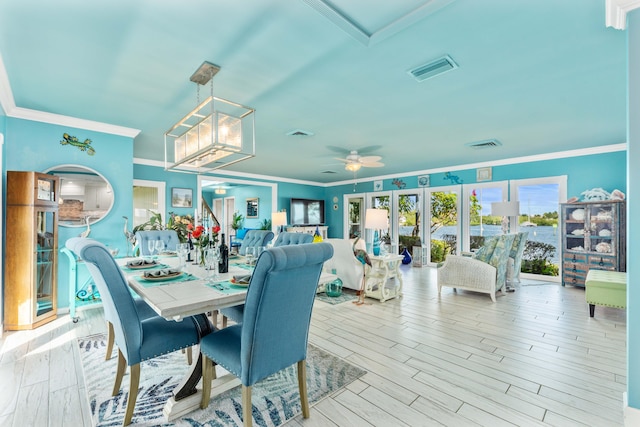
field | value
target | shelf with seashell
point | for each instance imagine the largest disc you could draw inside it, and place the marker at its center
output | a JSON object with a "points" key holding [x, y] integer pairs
{"points": [[593, 237]]}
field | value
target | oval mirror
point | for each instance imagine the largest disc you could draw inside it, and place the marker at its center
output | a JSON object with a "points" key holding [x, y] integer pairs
{"points": [[85, 195]]}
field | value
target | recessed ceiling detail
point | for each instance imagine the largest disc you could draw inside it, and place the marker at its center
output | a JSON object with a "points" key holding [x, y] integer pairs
{"points": [[433, 68], [329, 172], [368, 37], [487, 143], [299, 132]]}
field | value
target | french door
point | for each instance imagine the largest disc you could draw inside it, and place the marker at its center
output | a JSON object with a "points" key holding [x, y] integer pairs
{"points": [[443, 223], [478, 199]]}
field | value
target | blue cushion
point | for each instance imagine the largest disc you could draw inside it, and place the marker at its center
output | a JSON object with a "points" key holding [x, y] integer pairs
{"points": [[241, 232]]}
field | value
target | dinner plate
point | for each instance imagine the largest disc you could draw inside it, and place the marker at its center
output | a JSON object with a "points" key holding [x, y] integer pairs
{"points": [[143, 266], [242, 285], [162, 278]]}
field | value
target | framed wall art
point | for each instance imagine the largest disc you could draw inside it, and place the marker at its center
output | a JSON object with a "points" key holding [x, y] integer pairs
{"points": [[181, 198], [483, 174], [252, 208]]}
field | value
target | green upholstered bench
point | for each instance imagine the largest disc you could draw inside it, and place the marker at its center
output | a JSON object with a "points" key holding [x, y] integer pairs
{"points": [[606, 288]]}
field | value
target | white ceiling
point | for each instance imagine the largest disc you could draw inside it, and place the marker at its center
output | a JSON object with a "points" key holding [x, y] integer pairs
{"points": [[539, 76]]}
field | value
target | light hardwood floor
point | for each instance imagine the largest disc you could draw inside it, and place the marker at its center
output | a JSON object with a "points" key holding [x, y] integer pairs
{"points": [[533, 358]]}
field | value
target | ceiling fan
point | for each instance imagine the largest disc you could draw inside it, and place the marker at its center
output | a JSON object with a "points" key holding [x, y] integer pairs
{"points": [[354, 161]]}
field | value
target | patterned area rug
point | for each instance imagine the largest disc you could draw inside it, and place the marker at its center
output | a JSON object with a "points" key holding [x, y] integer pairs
{"points": [[347, 295], [275, 399]]}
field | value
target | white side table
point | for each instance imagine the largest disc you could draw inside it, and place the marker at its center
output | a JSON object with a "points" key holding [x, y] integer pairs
{"points": [[384, 268]]}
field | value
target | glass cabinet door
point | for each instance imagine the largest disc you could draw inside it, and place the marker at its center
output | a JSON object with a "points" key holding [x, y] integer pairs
{"points": [[601, 233], [45, 259]]}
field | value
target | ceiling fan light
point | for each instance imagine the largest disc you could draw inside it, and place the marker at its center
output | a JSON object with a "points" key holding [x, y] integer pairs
{"points": [[353, 167]]}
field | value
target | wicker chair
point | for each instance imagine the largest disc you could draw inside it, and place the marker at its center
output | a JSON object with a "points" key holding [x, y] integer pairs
{"points": [[485, 272]]}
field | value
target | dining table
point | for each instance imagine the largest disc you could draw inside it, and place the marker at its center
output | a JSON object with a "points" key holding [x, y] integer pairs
{"points": [[192, 292]]}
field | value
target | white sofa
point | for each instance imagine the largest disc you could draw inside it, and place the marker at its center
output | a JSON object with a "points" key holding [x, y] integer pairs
{"points": [[346, 265]]}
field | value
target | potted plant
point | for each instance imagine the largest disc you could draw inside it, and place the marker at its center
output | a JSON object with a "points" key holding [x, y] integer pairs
{"points": [[154, 223], [265, 224], [237, 221]]}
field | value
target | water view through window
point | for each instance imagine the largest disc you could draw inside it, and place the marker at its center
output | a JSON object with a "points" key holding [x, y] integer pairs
{"points": [[539, 204]]}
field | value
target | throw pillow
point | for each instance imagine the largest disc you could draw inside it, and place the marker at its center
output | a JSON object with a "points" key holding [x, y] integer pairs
{"points": [[484, 252], [502, 248]]}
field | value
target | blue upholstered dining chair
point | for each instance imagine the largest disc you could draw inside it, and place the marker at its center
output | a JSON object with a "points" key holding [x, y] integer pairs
{"points": [[284, 239], [168, 237], [138, 339], [255, 238], [287, 238], [275, 328]]}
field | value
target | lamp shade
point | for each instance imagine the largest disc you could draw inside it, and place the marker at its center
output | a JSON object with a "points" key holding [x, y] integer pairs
{"points": [[279, 218], [505, 208], [376, 219]]}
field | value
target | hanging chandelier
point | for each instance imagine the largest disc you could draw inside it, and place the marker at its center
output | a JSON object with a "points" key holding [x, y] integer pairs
{"points": [[217, 133]]}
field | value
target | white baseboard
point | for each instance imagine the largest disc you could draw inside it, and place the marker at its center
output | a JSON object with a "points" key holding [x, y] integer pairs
{"points": [[631, 415]]}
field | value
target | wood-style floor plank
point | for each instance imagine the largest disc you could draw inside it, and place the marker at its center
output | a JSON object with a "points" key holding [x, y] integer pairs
{"points": [[534, 357]]}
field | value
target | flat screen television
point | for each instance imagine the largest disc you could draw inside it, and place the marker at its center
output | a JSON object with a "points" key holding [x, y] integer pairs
{"points": [[307, 212]]}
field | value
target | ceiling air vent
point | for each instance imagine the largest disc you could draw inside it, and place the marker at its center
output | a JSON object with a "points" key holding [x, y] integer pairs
{"points": [[299, 132], [487, 143], [433, 68]]}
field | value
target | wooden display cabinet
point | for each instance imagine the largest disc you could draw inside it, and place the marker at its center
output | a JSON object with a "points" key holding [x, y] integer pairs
{"points": [[593, 238], [31, 251]]}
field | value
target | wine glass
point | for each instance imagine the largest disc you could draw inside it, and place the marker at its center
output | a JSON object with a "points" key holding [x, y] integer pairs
{"points": [[151, 246], [259, 250], [211, 259], [160, 246], [182, 250], [250, 254]]}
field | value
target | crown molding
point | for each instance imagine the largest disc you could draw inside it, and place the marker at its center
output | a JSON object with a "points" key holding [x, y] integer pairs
{"points": [[515, 160], [224, 172], [8, 105], [616, 12], [58, 119]]}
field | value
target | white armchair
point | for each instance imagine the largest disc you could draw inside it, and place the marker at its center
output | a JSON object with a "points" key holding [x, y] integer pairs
{"points": [[486, 272], [346, 265], [469, 274]]}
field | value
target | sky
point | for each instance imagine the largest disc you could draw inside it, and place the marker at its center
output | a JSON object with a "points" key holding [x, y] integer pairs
{"points": [[534, 199]]}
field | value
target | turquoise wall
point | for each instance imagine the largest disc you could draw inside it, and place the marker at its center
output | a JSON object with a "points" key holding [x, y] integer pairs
{"points": [[607, 170], [173, 180], [633, 205], [35, 146], [25, 141], [265, 204]]}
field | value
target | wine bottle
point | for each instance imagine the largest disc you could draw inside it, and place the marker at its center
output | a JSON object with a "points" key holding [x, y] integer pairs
{"points": [[223, 265], [190, 243]]}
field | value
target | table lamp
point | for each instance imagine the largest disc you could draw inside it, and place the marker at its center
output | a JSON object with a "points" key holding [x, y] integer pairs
{"points": [[376, 219], [279, 219], [506, 210]]}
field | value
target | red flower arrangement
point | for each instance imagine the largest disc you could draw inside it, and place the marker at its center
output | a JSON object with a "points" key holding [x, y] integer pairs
{"points": [[201, 235]]}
